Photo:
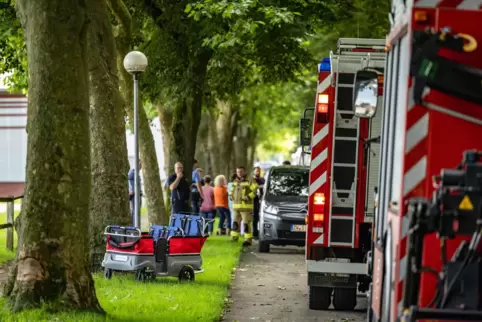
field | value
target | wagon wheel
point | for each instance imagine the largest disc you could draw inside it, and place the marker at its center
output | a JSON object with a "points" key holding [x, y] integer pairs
{"points": [[107, 273], [141, 275], [186, 274]]}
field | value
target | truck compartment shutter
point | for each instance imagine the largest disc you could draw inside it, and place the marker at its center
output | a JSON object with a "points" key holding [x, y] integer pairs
{"points": [[345, 98], [341, 231], [374, 160]]}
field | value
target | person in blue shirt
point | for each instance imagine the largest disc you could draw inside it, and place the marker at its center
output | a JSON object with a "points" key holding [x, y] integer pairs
{"points": [[131, 179], [180, 191], [196, 189]]}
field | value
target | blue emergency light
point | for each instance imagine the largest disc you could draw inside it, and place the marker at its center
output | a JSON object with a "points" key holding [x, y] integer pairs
{"points": [[325, 65]]}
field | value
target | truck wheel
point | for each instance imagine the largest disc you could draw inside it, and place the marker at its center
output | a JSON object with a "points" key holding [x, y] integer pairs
{"points": [[344, 299], [319, 298], [263, 247]]}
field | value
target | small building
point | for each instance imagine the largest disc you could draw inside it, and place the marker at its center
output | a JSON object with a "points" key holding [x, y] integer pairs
{"points": [[13, 144], [13, 154]]}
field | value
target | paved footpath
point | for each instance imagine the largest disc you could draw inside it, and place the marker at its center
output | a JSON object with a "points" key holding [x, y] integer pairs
{"points": [[272, 287]]}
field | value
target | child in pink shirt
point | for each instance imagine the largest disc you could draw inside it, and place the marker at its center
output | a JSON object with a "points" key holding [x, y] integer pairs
{"points": [[207, 206]]}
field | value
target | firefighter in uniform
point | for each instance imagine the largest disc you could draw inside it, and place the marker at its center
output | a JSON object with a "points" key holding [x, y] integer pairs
{"points": [[243, 192]]}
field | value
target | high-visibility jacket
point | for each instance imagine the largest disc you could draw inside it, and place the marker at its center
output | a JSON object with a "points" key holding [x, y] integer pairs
{"points": [[243, 192]]}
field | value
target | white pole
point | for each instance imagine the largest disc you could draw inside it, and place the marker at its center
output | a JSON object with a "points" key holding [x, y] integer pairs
{"points": [[137, 184]]}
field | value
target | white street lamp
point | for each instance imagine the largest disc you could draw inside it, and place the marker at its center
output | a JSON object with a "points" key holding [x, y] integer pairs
{"points": [[135, 63]]}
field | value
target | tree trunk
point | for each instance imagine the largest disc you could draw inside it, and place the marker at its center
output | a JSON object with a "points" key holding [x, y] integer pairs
{"points": [[252, 147], [183, 135], [242, 144], [204, 145], [187, 115], [53, 263], [211, 149], [225, 128], [109, 203], [150, 167], [165, 118]]}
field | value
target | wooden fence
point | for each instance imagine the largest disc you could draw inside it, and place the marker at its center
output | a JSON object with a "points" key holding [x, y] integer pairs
{"points": [[9, 224]]}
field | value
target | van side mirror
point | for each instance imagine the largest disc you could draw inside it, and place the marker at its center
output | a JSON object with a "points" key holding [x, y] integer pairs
{"points": [[365, 93], [305, 131]]}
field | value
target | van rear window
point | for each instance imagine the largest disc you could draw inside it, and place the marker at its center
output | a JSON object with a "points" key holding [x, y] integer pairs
{"points": [[288, 183]]}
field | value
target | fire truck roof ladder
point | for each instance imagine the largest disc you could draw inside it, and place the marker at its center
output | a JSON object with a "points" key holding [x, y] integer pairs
{"points": [[338, 144], [353, 63], [360, 47]]}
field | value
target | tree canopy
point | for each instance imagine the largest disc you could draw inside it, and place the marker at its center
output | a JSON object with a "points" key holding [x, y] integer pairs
{"points": [[13, 51]]}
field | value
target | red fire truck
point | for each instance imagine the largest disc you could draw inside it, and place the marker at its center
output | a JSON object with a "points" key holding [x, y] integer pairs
{"points": [[343, 174], [427, 263]]}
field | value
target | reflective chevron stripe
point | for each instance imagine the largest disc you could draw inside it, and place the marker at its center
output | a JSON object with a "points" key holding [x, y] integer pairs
{"points": [[415, 170], [458, 4]]}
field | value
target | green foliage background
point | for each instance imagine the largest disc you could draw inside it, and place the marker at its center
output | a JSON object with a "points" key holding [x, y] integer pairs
{"points": [[271, 82]]}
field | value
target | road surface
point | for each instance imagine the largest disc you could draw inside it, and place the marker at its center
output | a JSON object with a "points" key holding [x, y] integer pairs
{"points": [[272, 287]]}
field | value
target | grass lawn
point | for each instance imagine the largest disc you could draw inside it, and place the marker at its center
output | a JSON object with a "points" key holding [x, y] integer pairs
{"points": [[163, 299]]}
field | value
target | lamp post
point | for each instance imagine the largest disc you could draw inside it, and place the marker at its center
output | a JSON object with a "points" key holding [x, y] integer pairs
{"points": [[135, 64]]}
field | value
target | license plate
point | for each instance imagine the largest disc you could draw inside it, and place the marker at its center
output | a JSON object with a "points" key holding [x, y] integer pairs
{"points": [[120, 258], [298, 228]]}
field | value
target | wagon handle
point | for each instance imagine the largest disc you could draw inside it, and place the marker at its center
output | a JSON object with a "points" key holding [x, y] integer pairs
{"points": [[121, 235]]}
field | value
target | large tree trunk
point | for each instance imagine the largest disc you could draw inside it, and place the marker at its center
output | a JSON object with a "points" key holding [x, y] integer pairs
{"points": [[187, 114], [109, 203], [150, 167], [53, 263]]}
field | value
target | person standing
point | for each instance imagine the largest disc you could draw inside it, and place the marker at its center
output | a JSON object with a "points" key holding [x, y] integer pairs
{"points": [[256, 207], [131, 179], [243, 193], [221, 202], [179, 190], [207, 206], [196, 189]]}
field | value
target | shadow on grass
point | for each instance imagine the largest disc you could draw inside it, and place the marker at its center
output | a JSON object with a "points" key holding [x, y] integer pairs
{"points": [[128, 278]]}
